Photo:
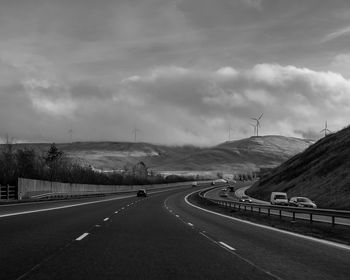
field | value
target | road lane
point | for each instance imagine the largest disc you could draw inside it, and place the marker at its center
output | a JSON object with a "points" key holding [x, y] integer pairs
{"points": [[215, 194], [145, 241], [159, 237], [28, 239], [285, 255]]}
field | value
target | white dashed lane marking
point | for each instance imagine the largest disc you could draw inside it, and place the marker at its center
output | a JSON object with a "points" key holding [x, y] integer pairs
{"points": [[82, 236], [191, 225], [106, 219], [227, 246]]}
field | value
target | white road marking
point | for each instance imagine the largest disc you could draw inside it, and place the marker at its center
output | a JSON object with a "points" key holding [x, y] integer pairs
{"points": [[123, 208], [82, 236], [97, 225], [177, 216], [227, 246], [116, 212], [106, 219], [325, 242], [61, 207], [191, 225]]}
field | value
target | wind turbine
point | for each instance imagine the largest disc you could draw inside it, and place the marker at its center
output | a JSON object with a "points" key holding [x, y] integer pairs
{"points": [[253, 125], [257, 123], [229, 132], [325, 130], [135, 130], [70, 132]]}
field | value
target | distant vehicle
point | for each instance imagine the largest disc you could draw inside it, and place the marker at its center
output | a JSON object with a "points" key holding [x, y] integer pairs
{"points": [[245, 198], [224, 189], [279, 198], [194, 184], [141, 192], [302, 202], [218, 181], [223, 194], [231, 189]]}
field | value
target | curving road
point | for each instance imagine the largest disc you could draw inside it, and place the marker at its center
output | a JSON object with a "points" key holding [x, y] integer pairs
{"points": [[162, 236]]}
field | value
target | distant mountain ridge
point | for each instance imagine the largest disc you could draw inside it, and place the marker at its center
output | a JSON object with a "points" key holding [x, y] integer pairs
{"points": [[321, 172], [245, 154]]}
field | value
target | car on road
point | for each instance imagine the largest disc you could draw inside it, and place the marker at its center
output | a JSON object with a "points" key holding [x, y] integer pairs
{"points": [[245, 198], [302, 202], [194, 184], [141, 192], [279, 198]]}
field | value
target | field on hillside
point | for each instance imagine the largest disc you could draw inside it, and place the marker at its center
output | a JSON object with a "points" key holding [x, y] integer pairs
{"points": [[244, 155], [321, 173]]}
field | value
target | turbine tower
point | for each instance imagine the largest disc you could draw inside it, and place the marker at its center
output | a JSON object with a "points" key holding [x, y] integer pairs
{"points": [[70, 132], [254, 127], [325, 130], [135, 130], [229, 132], [257, 123]]}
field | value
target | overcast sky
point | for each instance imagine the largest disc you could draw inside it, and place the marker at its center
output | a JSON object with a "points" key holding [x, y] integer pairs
{"points": [[181, 71]]}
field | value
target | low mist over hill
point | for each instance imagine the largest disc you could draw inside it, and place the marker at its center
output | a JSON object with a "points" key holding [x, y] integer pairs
{"points": [[322, 173], [242, 155]]}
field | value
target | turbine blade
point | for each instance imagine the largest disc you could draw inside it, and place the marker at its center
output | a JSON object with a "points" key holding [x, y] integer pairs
{"points": [[260, 116]]}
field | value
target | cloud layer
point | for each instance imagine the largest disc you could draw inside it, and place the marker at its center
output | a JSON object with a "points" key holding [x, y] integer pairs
{"points": [[180, 71], [177, 105]]}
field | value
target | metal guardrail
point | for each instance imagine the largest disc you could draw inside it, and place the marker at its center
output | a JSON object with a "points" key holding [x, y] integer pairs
{"points": [[8, 192], [311, 212]]}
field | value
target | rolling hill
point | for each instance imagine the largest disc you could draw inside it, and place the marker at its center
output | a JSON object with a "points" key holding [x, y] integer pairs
{"points": [[241, 155], [321, 172]]}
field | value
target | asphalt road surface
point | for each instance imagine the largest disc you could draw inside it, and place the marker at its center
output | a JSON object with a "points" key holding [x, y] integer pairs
{"points": [[158, 237]]}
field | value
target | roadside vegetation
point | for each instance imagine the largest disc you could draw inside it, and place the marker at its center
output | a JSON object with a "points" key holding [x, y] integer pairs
{"points": [[322, 173], [54, 165]]}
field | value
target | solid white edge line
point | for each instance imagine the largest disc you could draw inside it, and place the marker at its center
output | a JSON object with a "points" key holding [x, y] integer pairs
{"points": [[62, 207], [82, 236], [227, 246], [191, 225], [325, 242], [105, 219]]}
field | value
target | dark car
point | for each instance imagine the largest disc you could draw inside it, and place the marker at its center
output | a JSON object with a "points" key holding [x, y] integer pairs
{"points": [[302, 202], [141, 192], [245, 198]]}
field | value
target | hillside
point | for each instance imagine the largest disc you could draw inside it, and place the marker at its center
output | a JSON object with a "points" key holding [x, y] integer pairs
{"points": [[242, 155], [321, 172]]}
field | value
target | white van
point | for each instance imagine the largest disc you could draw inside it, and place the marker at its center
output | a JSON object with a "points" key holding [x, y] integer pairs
{"points": [[279, 198]]}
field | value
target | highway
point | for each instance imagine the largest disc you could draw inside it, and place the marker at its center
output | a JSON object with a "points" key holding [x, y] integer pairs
{"points": [[215, 194], [162, 236]]}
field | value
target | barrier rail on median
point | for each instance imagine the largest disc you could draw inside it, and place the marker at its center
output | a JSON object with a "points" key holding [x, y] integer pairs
{"points": [[311, 212]]}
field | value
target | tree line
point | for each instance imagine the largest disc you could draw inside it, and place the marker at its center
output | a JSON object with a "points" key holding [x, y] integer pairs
{"points": [[54, 165]]}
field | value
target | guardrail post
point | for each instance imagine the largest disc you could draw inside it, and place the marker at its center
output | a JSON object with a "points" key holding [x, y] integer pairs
{"points": [[310, 218], [268, 212], [259, 210], [8, 192], [251, 208], [280, 214], [245, 208], [293, 216], [333, 221], [239, 207]]}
